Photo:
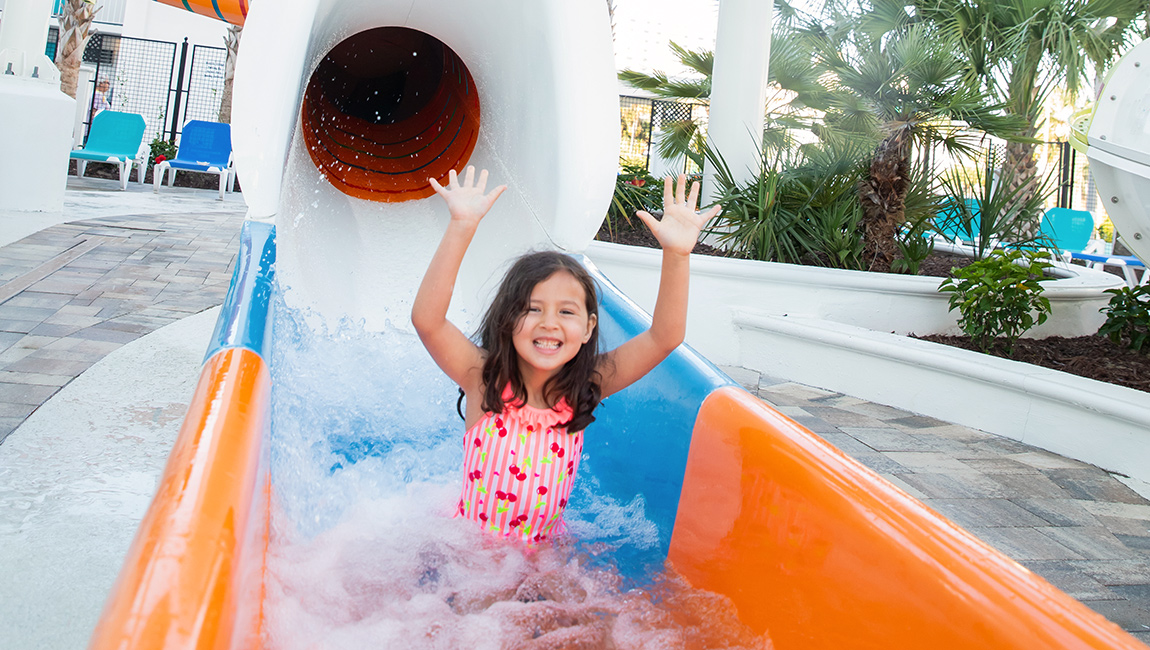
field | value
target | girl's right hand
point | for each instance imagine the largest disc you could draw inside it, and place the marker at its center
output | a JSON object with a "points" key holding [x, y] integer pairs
{"points": [[467, 201]]}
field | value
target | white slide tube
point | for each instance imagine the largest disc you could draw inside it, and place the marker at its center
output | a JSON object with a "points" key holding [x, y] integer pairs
{"points": [[547, 126]]}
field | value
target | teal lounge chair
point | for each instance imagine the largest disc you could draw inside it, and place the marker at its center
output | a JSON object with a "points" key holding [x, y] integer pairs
{"points": [[950, 221], [116, 138], [1066, 229], [204, 147]]}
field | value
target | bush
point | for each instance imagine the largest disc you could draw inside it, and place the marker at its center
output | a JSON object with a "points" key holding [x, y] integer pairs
{"points": [[635, 189], [1000, 296], [1106, 230], [161, 147], [1128, 317], [801, 208]]}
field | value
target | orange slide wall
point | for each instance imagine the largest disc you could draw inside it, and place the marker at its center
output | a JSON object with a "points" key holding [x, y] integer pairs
{"points": [[823, 553], [187, 581]]}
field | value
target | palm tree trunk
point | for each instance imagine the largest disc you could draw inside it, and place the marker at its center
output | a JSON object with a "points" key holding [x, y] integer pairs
{"points": [[611, 12], [1021, 169], [232, 44], [75, 29], [882, 193]]}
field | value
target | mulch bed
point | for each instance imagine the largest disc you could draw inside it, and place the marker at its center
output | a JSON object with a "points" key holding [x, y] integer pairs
{"points": [[1093, 357]]}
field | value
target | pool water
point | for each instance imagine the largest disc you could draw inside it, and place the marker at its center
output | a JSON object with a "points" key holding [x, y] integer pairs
{"points": [[366, 448]]}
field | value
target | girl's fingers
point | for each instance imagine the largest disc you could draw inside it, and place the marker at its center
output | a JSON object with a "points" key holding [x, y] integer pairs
{"points": [[681, 189], [668, 191], [469, 177], [647, 219], [436, 186], [694, 196], [452, 179], [710, 214], [482, 185], [496, 192]]}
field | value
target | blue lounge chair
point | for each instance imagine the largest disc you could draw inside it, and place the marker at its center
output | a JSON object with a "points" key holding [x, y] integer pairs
{"points": [[116, 138], [1066, 229], [1128, 263], [204, 147]]}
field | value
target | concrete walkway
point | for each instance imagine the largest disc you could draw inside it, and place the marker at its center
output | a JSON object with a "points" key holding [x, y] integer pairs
{"points": [[99, 354]]}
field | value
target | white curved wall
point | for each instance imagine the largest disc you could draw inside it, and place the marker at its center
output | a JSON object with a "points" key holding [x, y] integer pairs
{"points": [[549, 130], [1119, 150], [882, 302]]}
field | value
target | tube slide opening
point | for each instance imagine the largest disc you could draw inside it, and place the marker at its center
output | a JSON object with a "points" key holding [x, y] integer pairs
{"points": [[387, 109]]}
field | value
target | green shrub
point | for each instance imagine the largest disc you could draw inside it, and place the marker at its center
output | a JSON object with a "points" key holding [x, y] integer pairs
{"points": [[1128, 317], [635, 189], [161, 147], [1106, 230], [985, 205], [801, 208], [1000, 296], [914, 246]]}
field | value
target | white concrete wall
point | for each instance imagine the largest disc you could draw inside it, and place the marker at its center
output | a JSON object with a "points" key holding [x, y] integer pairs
{"points": [[877, 301], [1092, 421]]}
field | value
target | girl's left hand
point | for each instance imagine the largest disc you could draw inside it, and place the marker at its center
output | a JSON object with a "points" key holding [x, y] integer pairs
{"points": [[678, 231]]}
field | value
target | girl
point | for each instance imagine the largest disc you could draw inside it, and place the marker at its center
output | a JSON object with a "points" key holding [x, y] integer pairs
{"points": [[537, 375]]}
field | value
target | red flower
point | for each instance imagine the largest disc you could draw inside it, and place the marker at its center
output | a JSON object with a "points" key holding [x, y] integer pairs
{"points": [[637, 182], [161, 158]]}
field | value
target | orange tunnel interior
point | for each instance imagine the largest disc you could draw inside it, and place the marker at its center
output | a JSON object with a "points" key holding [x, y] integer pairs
{"points": [[387, 109]]}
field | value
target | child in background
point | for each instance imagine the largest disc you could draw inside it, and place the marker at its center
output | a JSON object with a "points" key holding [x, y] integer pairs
{"points": [[536, 376]]}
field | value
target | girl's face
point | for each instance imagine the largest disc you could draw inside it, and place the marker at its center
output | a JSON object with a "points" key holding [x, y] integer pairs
{"points": [[555, 326]]}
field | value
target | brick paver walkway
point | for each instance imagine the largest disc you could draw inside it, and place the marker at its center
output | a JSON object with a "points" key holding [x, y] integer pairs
{"points": [[72, 293]]}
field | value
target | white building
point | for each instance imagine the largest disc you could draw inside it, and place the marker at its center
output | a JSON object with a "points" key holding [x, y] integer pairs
{"points": [[644, 30]]}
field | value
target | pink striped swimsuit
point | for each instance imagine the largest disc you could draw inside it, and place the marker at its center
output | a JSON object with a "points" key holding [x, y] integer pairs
{"points": [[519, 467]]}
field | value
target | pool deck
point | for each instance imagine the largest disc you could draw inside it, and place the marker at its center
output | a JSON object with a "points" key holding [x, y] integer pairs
{"points": [[104, 319]]}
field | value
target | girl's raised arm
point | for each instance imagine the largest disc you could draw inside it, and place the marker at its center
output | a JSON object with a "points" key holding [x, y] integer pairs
{"points": [[677, 232], [455, 354]]}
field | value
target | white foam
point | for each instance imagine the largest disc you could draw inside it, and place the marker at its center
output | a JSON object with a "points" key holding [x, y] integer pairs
{"points": [[366, 450]]}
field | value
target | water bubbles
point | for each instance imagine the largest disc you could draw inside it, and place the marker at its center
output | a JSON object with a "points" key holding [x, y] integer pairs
{"points": [[365, 459]]}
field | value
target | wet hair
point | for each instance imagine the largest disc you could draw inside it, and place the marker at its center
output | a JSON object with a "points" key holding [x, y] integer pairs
{"points": [[578, 381]]}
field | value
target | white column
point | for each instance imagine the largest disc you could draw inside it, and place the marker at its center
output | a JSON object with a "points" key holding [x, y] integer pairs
{"points": [[35, 116], [25, 25], [739, 86]]}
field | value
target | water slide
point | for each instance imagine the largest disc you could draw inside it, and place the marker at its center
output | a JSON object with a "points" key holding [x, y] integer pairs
{"points": [[1118, 156], [810, 547]]}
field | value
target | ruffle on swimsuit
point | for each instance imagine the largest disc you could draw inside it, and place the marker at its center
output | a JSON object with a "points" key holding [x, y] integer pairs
{"points": [[518, 470]]}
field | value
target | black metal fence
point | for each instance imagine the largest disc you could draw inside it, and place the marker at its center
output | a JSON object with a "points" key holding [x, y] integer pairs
{"points": [[156, 79], [641, 120]]}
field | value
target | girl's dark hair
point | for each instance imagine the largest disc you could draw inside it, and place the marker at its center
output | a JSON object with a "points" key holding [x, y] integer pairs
{"points": [[578, 381]]}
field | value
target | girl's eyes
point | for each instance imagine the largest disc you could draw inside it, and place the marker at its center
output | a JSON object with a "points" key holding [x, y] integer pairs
{"points": [[564, 312]]}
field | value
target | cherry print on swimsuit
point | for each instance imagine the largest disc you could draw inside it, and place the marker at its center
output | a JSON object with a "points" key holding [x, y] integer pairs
{"points": [[518, 470]]}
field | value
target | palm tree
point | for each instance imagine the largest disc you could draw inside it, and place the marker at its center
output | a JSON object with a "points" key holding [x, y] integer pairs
{"points": [[679, 138], [232, 45], [75, 30], [1021, 50], [903, 84]]}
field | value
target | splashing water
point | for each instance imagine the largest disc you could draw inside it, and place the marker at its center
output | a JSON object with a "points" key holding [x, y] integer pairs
{"points": [[365, 457]]}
